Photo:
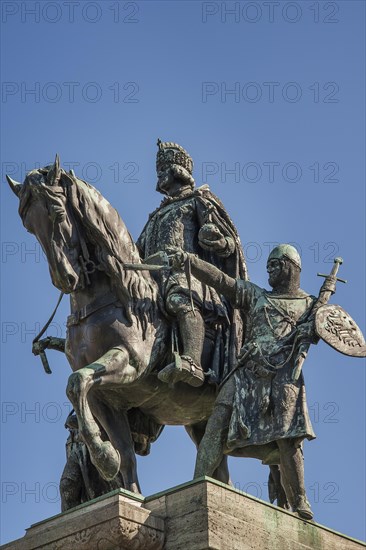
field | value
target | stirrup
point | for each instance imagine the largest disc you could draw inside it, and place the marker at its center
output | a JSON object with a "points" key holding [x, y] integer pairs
{"points": [[185, 371]]}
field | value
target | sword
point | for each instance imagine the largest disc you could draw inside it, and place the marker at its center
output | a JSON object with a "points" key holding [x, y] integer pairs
{"points": [[147, 267], [155, 262], [164, 264], [324, 295]]}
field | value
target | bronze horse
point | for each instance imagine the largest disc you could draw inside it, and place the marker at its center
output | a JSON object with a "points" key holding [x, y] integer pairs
{"points": [[117, 337]]}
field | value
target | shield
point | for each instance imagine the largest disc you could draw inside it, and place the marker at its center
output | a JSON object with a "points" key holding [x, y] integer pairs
{"points": [[337, 328]]}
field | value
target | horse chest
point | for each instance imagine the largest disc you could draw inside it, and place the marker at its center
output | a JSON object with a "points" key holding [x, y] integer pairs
{"points": [[88, 340]]}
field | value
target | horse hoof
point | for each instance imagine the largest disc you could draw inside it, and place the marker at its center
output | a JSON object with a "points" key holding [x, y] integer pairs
{"points": [[107, 460]]}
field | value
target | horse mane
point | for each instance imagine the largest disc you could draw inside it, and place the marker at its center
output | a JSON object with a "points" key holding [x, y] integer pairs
{"points": [[113, 247], [112, 243]]}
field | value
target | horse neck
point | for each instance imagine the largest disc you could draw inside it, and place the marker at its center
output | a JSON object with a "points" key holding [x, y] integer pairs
{"points": [[99, 285]]}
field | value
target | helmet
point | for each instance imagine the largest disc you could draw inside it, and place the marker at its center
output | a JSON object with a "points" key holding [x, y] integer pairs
{"points": [[286, 251]]}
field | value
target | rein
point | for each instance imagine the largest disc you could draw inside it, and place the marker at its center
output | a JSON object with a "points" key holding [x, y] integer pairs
{"points": [[42, 353]]}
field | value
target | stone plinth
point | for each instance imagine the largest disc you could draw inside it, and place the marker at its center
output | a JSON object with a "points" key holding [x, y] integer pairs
{"points": [[208, 515], [117, 521], [199, 515]]}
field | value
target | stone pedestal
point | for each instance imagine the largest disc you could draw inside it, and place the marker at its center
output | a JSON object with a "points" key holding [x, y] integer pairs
{"points": [[199, 515], [118, 520]]}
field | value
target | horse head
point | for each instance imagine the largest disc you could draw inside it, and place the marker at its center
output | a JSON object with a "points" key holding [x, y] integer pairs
{"points": [[80, 232], [45, 212]]}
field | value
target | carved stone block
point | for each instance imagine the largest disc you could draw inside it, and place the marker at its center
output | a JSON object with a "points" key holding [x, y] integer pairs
{"points": [[116, 521], [208, 515], [199, 515]]}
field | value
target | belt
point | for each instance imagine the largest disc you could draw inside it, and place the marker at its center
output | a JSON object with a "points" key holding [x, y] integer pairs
{"points": [[84, 312]]}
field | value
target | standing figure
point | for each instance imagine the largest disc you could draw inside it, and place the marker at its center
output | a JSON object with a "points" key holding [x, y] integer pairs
{"points": [[261, 410], [197, 222]]}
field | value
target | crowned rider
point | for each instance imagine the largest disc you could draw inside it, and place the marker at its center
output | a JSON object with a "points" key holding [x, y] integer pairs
{"points": [[196, 221]]}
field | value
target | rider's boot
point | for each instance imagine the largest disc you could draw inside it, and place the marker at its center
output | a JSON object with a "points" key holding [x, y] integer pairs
{"points": [[188, 370]]}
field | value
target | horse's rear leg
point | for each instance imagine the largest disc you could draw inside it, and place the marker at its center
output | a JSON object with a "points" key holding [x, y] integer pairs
{"points": [[196, 433], [111, 369]]}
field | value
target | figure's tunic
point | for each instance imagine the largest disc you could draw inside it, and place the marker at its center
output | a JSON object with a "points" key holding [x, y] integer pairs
{"points": [[268, 404], [176, 224], [173, 226]]}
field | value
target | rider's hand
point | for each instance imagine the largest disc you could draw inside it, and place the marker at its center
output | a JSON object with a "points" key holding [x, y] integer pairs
{"points": [[329, 285], [211, 238], [178, 259], [214, 246]]}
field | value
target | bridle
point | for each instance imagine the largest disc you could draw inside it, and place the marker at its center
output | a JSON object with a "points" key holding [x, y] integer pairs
{"points": [[87, 266]]}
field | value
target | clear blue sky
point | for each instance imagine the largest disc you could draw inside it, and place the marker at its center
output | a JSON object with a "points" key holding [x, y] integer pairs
{"points": [[269, 100]]}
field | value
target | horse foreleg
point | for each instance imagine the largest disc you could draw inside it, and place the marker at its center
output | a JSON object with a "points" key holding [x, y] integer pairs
{"points": [[115, 424], [113, 368]]}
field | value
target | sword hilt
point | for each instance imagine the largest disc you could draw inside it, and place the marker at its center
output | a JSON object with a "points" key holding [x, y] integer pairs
{"points": [[337, 263]]}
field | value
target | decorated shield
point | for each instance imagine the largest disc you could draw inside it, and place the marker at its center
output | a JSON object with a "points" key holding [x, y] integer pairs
{"points": [[337, 328]]}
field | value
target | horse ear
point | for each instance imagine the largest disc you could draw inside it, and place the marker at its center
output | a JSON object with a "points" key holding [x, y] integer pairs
{"points": [[14, 186], [54, 175]]}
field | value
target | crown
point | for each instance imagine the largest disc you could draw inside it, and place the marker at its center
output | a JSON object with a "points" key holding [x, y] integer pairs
{"points": [[171, 153]]}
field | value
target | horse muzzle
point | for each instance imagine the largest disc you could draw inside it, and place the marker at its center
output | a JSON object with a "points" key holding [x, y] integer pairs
{"points": [[65, 279]]}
